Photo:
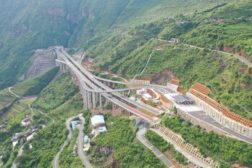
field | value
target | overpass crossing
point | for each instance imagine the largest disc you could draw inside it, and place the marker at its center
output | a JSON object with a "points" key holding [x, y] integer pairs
{"points": [[93, 91]]}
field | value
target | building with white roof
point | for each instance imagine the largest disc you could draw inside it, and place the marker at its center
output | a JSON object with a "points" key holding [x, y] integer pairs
{"points": [[141, 91], [147, 96], [98, 123]]}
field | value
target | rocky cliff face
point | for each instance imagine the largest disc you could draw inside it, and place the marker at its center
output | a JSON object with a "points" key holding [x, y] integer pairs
{"points": [[41, 61]]}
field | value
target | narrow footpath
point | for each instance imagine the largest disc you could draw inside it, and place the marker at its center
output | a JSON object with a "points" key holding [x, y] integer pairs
{"points": [[11, 92], [20, 152], [241, 59]]}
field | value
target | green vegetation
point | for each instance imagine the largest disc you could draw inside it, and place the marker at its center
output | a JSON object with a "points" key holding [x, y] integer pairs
{"points": [[87, 125], [68, 157], [224, 75], [226, 26], [12, 119], [121, 36], [157, 141], [47, 140], [56, 93], [14, 109], [163, 146], [45, 145], [34, 86], [6, 99], [225, 150], [126, 151], [221, 36], [26, 88], [28, 26]]}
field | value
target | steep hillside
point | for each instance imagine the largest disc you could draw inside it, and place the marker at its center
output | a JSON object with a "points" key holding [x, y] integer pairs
{"points": [[193, 58], [50, 121], [29, 87], [227, 28], [28, 25]]}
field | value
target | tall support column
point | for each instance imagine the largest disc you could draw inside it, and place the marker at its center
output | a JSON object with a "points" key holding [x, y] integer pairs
{"points": [[93, 100], [82, 93], [106, 102], [85, 98], [88, 99], [61, 67], [100, 97]]}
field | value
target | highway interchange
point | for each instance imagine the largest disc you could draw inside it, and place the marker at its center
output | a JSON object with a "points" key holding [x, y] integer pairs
{"points": [[91, 83]]}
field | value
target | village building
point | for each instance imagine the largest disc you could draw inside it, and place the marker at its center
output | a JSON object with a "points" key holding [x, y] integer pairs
{"points": [[146, 96], [98, 123], [141, 91], [181, 99], [26, 122], [173, 84], [74, 124]]}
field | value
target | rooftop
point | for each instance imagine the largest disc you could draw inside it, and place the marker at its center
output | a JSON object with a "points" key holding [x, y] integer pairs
{"points": [[74, 123], [97, 119], [183, 99], [201, 88]]}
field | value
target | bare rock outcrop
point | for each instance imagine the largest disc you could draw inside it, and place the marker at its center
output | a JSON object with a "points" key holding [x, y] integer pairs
{"points": [[42, 61]]}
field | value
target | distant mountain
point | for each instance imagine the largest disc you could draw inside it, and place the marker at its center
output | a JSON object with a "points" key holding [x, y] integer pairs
{"points": [[26, 25]]}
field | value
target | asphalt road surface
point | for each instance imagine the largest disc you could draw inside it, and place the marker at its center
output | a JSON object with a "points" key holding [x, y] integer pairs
{"points": [[80, 142], [55, 162], [204, 117], [147, 144]]}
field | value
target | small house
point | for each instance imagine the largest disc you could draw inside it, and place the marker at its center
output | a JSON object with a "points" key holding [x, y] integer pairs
{"points": [[26, 122], [98, 123], [181, 99], [74, 124]]}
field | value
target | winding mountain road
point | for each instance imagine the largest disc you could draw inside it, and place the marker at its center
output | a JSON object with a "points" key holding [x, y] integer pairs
{"points": [[80, 142], [11, 92], [141, 137], [82, 155], [241, 59], [55, 162]]}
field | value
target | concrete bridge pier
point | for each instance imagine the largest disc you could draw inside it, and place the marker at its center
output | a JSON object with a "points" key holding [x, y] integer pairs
{"points": [[100, 101], [63, 68], [84, 96], [94, 100], [117, 109], [89, 101]]}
